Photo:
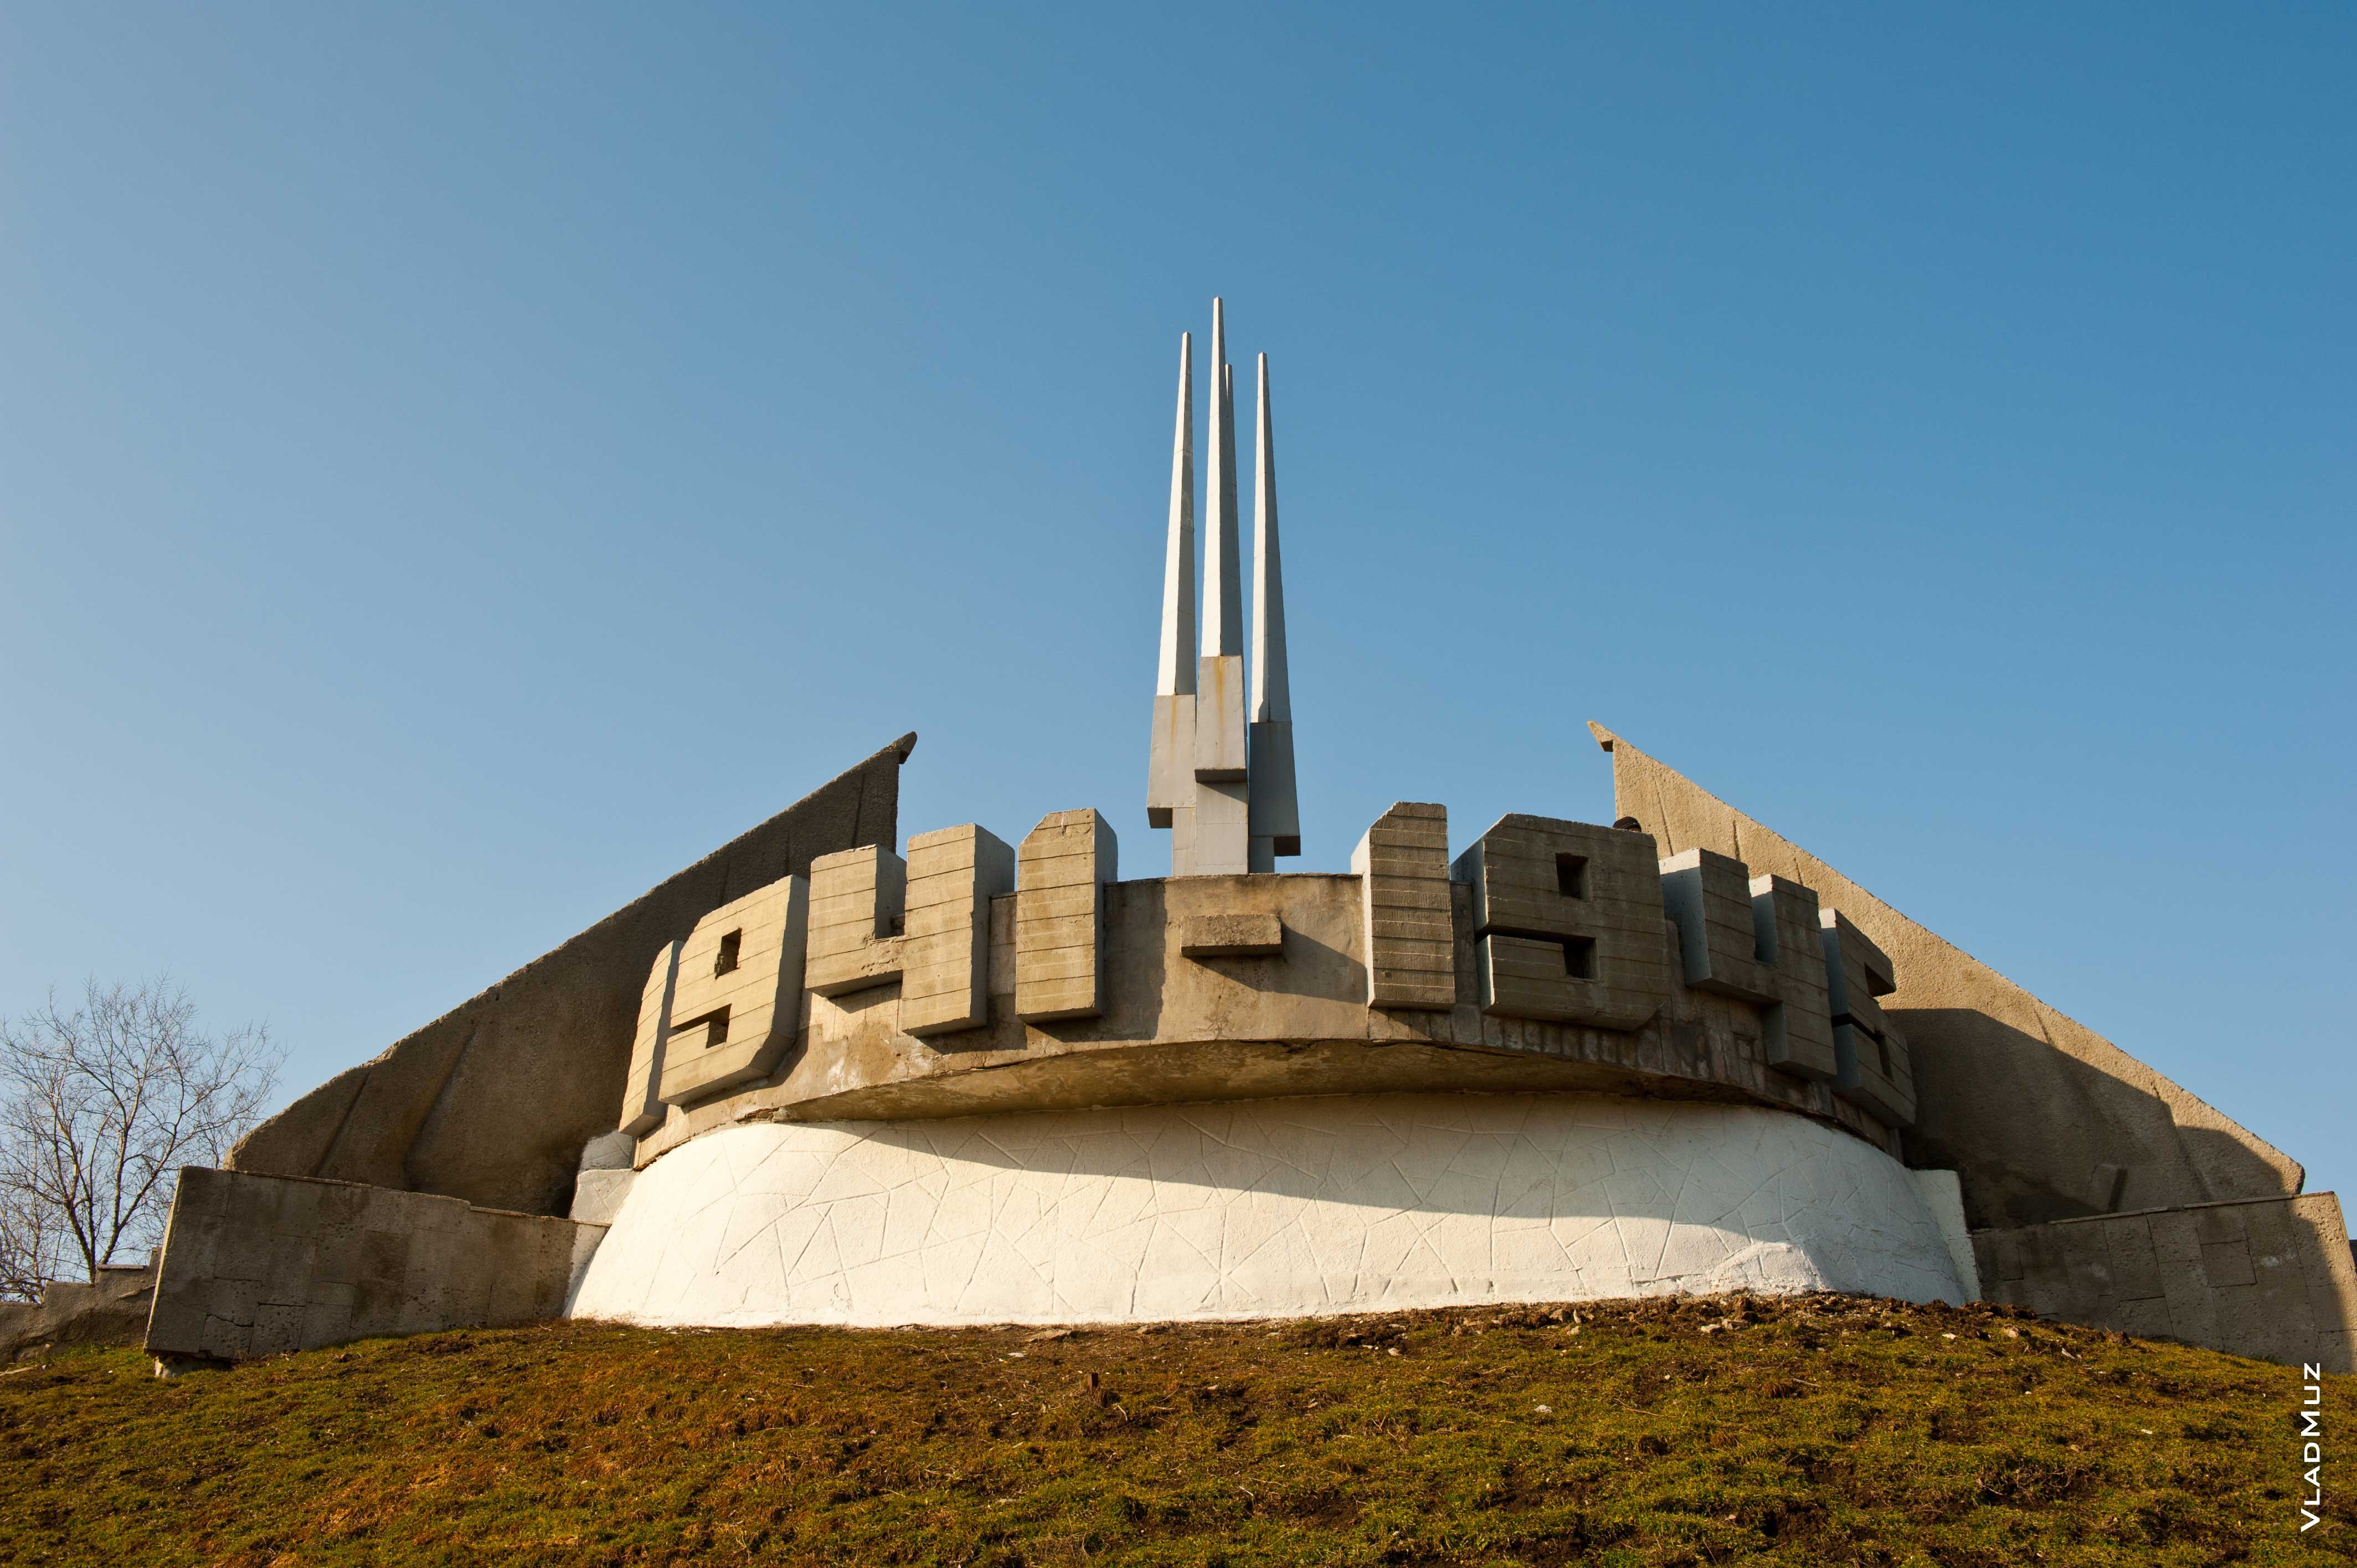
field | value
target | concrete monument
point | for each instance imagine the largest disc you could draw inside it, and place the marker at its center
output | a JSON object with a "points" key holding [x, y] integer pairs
{"points": [[811, 1081]]}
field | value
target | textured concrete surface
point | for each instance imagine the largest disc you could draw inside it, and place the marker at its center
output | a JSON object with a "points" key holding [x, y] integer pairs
{"points": [[953, 874], [608, 1152], [1170, 768], [1708, 897], [111, 1310], [1408, 940], [858, 906], [1217, 830], [2044, 1119], [254, 1265], [1223, 599], [1874, 1066], [1875, 1073], [642, 1102], [492, 1101], [1800, 1022], [2264, 1277], [597, 1195], [1276, 798], [1062, 872], [737, 1000], [1944, 1195], [1232, 936], [1281, 1207], [1568, 919], [1296, 1022], [1219, 753], [1856, 973]]}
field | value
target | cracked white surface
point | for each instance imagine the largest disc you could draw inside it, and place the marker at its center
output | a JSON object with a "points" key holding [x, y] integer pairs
{"points": [[1274, 1207]]}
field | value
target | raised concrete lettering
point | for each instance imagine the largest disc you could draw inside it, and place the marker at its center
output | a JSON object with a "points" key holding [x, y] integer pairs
{"points": [[1568, 920], [737, 1004]]}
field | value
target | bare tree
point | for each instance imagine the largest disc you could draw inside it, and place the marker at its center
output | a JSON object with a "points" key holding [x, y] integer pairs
{"points": [[99, 1108]]}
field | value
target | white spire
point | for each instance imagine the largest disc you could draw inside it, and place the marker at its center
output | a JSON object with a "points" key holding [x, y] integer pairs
{"points": [[1271, 695], [1174, 672], [1223, 620]]}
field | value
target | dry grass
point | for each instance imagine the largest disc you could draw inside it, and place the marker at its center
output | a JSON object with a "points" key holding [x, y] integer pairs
{"points": [[1825, 1430]]}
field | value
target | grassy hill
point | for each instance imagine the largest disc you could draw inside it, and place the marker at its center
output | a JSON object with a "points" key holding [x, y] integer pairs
{"points": [[1821, 1430]]}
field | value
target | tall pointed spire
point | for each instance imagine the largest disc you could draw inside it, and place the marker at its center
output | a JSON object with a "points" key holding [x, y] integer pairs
{"points": [[1223, 599], [1220, 777], [1219, 841], [1174, 672], [1170, 768], [1276, 808], [1272, 694]]}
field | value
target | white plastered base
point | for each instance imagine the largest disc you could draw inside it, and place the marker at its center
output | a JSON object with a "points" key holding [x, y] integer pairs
{"points": [[1272, 1207]]}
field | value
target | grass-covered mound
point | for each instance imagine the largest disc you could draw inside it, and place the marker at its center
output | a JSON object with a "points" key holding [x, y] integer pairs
{"points": [[1821, 1430]]}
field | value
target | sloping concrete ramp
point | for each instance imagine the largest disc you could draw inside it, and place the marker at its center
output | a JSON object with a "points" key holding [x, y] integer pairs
{"points": [[2043, 1118], [491, 1102]]}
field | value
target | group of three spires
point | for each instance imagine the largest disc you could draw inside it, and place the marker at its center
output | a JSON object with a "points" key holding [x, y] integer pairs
{"points": [[1222, 775]]}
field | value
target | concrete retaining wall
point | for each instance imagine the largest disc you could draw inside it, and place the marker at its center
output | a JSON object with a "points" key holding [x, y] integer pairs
{"points": [[492, 1101], [2267, 1277], [253, 1265], [112, 1310]]}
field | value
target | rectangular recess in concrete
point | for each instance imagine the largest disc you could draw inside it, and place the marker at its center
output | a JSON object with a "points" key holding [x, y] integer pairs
{"points": [[1232, 936]]}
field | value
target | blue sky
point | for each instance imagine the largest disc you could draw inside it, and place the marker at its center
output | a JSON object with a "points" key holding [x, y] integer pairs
{"points": [[459, 465]]}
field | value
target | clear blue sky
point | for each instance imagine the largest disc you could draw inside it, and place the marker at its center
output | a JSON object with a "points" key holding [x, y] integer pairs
{"points": [[459, 465]]}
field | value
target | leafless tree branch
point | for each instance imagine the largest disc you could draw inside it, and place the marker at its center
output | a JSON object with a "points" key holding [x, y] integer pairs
{"points": [[99, 1107]]}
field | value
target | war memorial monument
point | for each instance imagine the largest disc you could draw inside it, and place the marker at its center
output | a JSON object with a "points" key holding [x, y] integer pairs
{"points": [[828, 1075]]}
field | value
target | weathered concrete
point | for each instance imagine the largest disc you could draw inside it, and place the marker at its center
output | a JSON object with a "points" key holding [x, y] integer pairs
{"points": [[1276, 797], [1219, 753], [1407, 943], [737, 1001], [953, 874], [1217, 830], [1269, 1209], [642, 1101], [111, 1310], [608, 1152], [1224, 786], [1170, 768], [605, 1180], [1800, 1021], [492, 1101], [255, 1265], [858, 905], [1232, 936], [1944, 1195], [2266, 1277], [1709, 896], [1061, 873], [1568, 920], [2044, 1119], [1175, 1029], [1223, 599], [597, 1195]]}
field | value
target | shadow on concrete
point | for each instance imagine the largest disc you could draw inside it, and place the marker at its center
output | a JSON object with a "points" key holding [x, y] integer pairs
{"points": [[2039, 1135]]}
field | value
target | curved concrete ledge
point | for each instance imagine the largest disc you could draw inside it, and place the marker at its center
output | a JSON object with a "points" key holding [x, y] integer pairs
{"points": [[1278, 1207]]}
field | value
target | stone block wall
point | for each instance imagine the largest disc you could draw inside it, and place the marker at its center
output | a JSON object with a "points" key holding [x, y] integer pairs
{"points": [[111, 1311], [2266, 1277], [255, 1265]]}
